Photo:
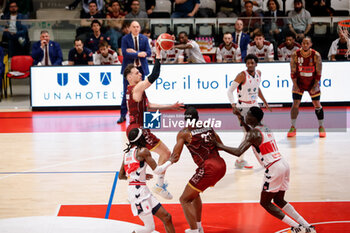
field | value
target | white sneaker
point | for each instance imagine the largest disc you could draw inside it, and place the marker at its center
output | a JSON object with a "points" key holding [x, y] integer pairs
{"points": [[310, 229], [201, 230], [299, 229], [192, 231], [242, 164], [162, 191]]}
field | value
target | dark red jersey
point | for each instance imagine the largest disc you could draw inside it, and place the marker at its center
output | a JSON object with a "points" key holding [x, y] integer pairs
{"points": [[136, 109], [306, 70], [200, 146]]}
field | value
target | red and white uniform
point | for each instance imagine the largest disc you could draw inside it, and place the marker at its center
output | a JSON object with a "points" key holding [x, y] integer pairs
{"points": [[112, 58], [265, 53], [276, 176], [231, 54], [284, 53], [248, 92], [141, 199], [170, 56], [211, 167]]}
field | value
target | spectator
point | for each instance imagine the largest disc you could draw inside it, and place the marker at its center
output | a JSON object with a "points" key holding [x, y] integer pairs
{"points": [[125, 30], [150, 5], [2, 65], [47, 52], [192, 52], [319, 7], [228, 51], [185, 8], [116, 16], [136, 13], [95, 37], [339, 48], [286, 49], [25, 7], [93, 12], [104, 55], [262, 48], [73, 5], [228, 8], [251, 20], [135, 49], [79, 55], [146, 32], [15, 34], [257, 6], [299, 21], [273, 24], [240, 38]]}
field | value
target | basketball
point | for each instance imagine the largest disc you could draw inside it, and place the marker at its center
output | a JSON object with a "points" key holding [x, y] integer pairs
{"points": [[165, 41]]}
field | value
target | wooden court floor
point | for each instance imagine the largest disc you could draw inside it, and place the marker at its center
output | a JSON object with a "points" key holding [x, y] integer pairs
{"points": [[43, 169]]}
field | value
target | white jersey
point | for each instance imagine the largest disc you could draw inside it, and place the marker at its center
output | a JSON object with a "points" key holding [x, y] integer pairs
{"points": [[248, 91], [264, 54], [267, 153], [194, 54], [284, 53], [170, 56], [135, 169], [112, 58], [231, 54]]}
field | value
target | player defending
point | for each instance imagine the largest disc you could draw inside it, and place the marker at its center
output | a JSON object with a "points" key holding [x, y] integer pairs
{"points": [[143, 203], [276, 176], [306, 69], [211, 167], [137, 104], [247, 85]]}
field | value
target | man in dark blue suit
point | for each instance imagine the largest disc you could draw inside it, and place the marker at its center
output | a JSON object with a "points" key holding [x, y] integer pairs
{"points": [[135, 49], [240, 38], [46, 52]]}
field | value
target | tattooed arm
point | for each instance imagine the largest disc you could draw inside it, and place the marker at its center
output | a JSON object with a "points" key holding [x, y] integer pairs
{"points": [[293, 71]]}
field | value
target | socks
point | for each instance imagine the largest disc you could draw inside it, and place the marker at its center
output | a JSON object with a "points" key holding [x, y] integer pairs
{"points": [[290, 221], [160, 180], [289, 209], [199, 225], [294, 121]]}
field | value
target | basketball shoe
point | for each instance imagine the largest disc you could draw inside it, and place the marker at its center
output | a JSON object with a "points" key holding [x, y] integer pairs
{"points": [[162, 191], [242, 164], [193, 231], [322, 132], [310, 229], [292, 132], [299, 229]]}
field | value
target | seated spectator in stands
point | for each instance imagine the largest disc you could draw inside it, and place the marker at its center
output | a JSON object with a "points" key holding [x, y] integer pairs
{"points": [[95, 37], [73, 5], [286, 49], [228, 51], [93, 12], [116, 16], [273, 25], [15, 34], [228, 8], [240, 38], [192, 52], [257, 6], [146, 32], [46, 52], [185, 8], [79, 55], [338, 49], [137, 14], [25, 7], [104, 55], [261, 48], [251, 20], [299, 21], [319, 7], [2, 65], [150, 5]]}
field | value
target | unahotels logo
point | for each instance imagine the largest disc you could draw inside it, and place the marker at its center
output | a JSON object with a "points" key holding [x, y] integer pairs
{"points": [[157, 120]]}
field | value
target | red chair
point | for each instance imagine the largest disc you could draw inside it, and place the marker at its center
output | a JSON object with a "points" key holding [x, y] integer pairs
{"points": [[20, 68], [120, 58], [207, 58]]}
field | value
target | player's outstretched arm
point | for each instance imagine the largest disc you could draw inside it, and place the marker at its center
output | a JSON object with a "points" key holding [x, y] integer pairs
{"points": [[247, 142], [182, 137], [261, 96], [157, 169], [176, 106], [122, 174]]}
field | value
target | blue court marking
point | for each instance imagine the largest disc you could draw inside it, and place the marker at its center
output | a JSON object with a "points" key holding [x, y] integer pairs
{"points": [[111, 196], [70, 172]]}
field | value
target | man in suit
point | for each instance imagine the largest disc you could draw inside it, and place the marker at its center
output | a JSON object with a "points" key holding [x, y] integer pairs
{"points": [[135, 49], [240, 38], [46, 52]]}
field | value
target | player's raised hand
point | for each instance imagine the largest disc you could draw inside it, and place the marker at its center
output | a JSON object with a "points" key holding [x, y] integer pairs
{"points": [[158, 49], [174, 157]]}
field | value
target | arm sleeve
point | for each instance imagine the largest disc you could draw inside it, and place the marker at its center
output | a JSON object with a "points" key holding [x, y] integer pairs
{"points": [[155, 72], [230, 90], [162, 168]]}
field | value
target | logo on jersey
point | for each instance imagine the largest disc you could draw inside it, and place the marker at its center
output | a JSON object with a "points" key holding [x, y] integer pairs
{"points": [[152, 120]]}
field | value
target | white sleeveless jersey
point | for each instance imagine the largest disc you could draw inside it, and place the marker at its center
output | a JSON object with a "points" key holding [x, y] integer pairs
{"points": [[249, 90], [268, 151], [135, 169]]}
